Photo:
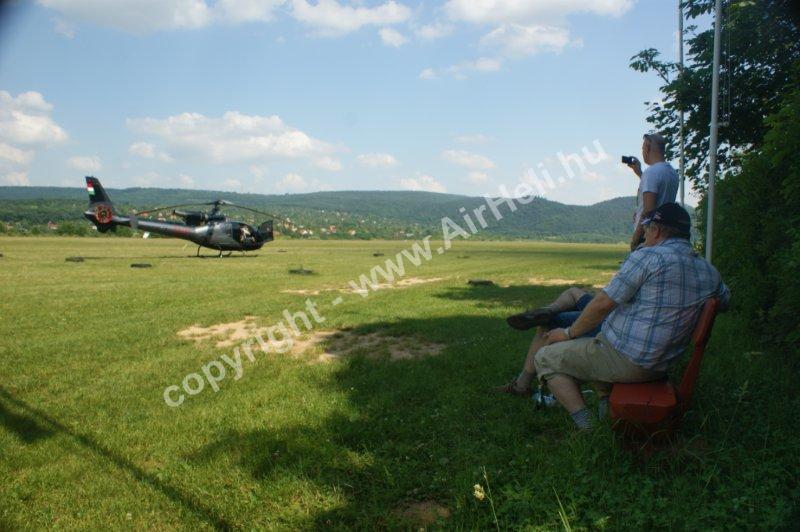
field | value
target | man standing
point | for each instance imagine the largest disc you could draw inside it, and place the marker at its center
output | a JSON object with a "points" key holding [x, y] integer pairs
{"points": [[647, 311], [657, 185]]}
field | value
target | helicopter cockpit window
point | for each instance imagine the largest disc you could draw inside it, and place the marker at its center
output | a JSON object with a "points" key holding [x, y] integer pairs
{"points": [[243, 233]]}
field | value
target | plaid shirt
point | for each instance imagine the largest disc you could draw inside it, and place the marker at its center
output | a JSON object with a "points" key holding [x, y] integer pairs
{"points": [[660, 291]]}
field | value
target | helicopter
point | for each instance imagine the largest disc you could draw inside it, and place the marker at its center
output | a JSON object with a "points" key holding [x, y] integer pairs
{"points": [[211, 229]]}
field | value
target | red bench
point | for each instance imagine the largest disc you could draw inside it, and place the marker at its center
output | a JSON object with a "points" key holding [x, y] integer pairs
{"points": [[650, 408]]}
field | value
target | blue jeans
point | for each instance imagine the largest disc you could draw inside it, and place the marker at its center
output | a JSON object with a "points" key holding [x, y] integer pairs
{"points": [[562, 320]]}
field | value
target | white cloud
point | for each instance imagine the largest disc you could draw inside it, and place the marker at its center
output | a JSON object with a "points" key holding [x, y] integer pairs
{"points": [[460, 70], [431, 32], [423, 182], [428, 73], [376, 160], [526, 11], [85, 163], [516, 40], [329, 18], [258, 172], [148, 151], [467, 159], [15, 155], [325, 17], [186, 181], [392, 37], [19, 179], [25, 120], [589, 176], [232, 138], [25, 126], [292, 183], [477, 138], [526, 27], [136, 16], [239, 11], [148, 179], [64, 27], [232, 184], [295, 183], [328, 163], [478, 177], [143, 149]]}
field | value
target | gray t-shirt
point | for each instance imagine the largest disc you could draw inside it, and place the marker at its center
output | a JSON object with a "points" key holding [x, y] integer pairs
{"points": [[662, 180]]}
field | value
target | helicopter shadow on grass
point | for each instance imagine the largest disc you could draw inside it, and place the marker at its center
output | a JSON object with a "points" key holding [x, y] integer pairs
{"points": [[411, 431], [35, 424]]}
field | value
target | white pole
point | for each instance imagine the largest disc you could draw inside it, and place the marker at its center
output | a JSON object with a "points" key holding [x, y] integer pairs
{"points": [[681, 141], [712, 148]]}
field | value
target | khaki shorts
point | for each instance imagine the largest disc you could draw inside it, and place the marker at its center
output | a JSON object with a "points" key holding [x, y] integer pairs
{"points": [[590, 360]]}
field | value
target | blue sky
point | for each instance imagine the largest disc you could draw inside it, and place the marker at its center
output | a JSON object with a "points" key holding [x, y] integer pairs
{"points": [[291, 96]]}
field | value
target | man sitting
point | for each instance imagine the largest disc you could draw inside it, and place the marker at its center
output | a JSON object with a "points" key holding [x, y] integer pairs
{"points": [[648, 311]]}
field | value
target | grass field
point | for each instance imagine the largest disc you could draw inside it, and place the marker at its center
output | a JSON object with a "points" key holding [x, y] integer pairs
{"points": [[364, 442]]}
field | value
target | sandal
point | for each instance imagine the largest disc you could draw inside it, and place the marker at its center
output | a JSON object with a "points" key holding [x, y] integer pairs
{"points": [[511, 389]]}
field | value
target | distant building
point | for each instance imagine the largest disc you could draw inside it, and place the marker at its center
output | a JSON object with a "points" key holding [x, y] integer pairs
{"points": [[52, 226]]}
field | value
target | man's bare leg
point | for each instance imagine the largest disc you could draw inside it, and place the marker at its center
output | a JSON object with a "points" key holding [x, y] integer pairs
{"points": [[568, 394], [568, 300], [528, 373]]}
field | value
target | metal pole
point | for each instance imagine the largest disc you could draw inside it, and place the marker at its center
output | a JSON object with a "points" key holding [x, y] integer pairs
{"points": [[712, 148], [681, 141]]}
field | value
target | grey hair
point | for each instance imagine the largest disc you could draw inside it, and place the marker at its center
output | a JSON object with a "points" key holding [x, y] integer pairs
{"points": [[670, 232], [657, 140]]}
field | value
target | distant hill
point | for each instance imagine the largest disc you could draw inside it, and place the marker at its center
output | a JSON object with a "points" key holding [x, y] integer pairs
{"points": [[367, 214]]}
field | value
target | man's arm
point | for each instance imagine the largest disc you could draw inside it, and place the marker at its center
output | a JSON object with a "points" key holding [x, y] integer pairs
{"points": [[648, 204], [636, 166], [594, 313]]}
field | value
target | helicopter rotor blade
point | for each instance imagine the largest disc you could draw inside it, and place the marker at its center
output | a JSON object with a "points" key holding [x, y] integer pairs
{"points": [[170, 207], [230, 204]]}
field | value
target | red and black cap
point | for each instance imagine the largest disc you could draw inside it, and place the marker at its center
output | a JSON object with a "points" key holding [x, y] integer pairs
{"points": [[670, 215]]}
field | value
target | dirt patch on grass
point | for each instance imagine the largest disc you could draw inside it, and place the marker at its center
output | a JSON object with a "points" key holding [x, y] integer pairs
{"points": [[424, 513], [309, 291], [607, 276], [327, 345], [336, 345], [541, 281], [553, 281], [225, 334], [402, 283]]}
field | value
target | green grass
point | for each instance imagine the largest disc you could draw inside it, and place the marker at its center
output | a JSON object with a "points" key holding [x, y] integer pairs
{"points": [[86, 440]]}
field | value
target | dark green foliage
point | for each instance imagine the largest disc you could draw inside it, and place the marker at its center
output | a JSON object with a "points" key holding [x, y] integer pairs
{"points": [[760, 44], [758, 227], [758, 196]]}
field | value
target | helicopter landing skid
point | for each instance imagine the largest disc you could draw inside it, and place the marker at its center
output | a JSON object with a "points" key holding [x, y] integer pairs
{"points": [[218, 256]]}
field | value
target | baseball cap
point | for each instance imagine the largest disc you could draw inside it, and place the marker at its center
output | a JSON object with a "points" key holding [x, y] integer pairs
{"points": [[670, 215]]}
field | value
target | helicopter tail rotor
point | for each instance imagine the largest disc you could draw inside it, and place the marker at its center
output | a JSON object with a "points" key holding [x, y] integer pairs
{"points": [[101, 210]]}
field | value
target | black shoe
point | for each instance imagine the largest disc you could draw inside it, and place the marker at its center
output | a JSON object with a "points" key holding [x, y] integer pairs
{"points": [[530, 318]]}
